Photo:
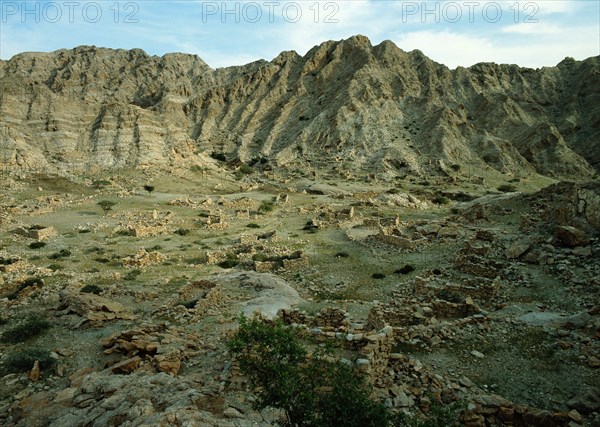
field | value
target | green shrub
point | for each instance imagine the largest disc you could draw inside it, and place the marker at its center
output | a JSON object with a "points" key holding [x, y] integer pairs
{"points": [[342, 254], [149, 188], [441, 200], [106, 205], [31, 327], [182, 231], [228, 263], [101, 183], [56, 267], [455, 167], [318, 392], [218, 156], [405, 270], [131, 275], [37, 245], [91, 289], [246, 170], [449, 296], [188, 304], [63, 253], [22, 361], [378, 276], [507, 188], [253, 225], [266, 206]]}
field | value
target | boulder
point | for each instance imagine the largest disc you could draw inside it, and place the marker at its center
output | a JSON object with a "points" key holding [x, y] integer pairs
{"points": [[570, 236]]}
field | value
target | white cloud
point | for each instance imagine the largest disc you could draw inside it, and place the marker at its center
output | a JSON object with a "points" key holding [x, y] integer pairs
{"points": [[454, 49], [530, 28]]}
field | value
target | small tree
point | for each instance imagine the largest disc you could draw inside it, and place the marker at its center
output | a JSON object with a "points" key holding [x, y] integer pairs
{"points": [[315, 392], [149, 188], [106, 205]]}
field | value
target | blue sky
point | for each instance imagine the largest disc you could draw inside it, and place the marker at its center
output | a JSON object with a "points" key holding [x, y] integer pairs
{"points": [[463, 32]]}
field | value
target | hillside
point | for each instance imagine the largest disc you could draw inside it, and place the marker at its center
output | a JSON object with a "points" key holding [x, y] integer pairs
{"points": [[375, 108]]}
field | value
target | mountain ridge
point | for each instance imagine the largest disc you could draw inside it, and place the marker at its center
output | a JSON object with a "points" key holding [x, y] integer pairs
{"points": [[375, 108]]}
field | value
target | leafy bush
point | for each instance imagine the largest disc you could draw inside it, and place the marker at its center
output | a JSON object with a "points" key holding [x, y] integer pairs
{"points": [[188, 304], [149, 188], [56, 267], [253, 225], [318, 392], [342, 254], [246, 170], [441, 200], [507, 188], [30, 328], [131, 275], [449, 296], [63, 253], [182, 231], [405, 270], [455, 167], [37, 245], [266, 206], [22, 361], [91, 289], [106, 205], [218, 156], [228, 263], [378, 276]]}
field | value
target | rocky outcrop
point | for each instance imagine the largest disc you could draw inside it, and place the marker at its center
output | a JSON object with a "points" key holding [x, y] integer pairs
{"points": [[375, 108]]}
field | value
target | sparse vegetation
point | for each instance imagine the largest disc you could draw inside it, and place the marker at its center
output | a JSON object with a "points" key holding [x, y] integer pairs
{"points": [[149, 188], [31, 327], [228, 263], [37, 244], [132, 275], [106, 205], [378, 276], [23, 360], [507, 188], [266, 206], [253, 225], [405, 270], [182, 231], [63, 253], [92, 289]]}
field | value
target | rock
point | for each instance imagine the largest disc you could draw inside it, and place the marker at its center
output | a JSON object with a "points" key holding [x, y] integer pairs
{"points": [[577, 321], [517, 249], [126, 366], [232, 413], [570, 236], [587, 401], [477, 354], [34, 374], [593, 362], [575, 416], [401, 400], [170, 363], [65, 397]]}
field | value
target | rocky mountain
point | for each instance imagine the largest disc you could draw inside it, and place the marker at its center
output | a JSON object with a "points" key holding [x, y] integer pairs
{"points": [[378, 108]]}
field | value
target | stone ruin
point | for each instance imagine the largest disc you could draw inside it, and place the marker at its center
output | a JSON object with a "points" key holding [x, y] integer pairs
{"points": [[39, 232], [144, 224], [143, 259]]}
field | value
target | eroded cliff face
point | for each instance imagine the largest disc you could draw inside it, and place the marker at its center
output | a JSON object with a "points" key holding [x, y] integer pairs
{"points": [[357, 105]]}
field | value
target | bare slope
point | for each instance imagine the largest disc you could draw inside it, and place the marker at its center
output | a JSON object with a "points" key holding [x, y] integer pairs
{"points": [[389, 111]]}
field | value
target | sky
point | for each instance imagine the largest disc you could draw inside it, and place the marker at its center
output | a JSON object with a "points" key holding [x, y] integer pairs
{"points": [[225, 33]]}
